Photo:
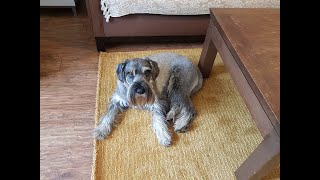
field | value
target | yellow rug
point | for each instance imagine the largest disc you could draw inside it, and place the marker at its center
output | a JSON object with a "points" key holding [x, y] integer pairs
{"points": [[220, 138]]}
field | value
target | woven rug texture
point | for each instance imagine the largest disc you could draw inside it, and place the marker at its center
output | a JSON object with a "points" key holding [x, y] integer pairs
{"points": [[221, 137]]}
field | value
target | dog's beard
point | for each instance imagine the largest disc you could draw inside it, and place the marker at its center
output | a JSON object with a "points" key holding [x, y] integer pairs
{"points": [[140, 99]]}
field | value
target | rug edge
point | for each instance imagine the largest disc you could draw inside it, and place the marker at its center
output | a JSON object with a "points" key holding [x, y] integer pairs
{"points": [[96, 114]]}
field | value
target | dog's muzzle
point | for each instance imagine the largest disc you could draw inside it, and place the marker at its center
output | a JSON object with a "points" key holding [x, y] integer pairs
{"points": [[140, 94]]}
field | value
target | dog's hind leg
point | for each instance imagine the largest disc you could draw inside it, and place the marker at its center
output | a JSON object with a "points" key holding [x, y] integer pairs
{"points": [[180, 87], [181, 109], [182, 113]]}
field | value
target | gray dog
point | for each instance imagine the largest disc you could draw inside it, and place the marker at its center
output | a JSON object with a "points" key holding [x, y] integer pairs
{"points": [[161, 83]]}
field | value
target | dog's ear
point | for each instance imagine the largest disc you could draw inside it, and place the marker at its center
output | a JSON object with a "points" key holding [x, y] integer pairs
{"points": [[120, 70], [155, 69]]}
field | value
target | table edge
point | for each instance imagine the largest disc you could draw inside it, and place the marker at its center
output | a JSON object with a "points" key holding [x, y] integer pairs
{"points": [[275, 121]]}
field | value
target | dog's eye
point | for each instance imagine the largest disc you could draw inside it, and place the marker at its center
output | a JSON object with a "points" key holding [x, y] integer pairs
{"points": [[147, 72], [130, 73]]}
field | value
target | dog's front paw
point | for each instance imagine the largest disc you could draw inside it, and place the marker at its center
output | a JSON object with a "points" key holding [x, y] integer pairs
{"points": [[182, 129], [165, 142], [100, 133], [164, 139]]}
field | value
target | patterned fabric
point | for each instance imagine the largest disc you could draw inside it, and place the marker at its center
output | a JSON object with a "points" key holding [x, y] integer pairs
{"points": [[118, 8]]}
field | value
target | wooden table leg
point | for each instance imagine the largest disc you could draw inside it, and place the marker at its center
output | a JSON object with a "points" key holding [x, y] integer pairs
{"points": [[263, 160], [208, 54]]}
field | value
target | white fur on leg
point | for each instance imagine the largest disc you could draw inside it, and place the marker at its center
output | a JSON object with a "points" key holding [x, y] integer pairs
{"points": [[103, 129], [106, 122], [161, 130], [160, 127]]}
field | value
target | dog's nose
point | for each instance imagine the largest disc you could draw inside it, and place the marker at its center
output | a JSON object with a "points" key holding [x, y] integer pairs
{"points": [[140, 90]]}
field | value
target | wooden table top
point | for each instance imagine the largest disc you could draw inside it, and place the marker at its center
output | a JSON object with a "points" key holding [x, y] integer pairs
{"points": [[253, 37]]}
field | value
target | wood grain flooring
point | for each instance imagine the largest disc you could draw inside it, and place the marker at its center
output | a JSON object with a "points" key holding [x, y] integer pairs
{"points": [[68, 74]]}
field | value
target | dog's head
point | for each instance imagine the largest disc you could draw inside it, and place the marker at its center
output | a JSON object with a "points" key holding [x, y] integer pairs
{"points": [[138, 75]]}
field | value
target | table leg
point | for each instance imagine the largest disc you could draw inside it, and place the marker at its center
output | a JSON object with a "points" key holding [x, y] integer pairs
{"points": [[208, 54], [263, 159]]}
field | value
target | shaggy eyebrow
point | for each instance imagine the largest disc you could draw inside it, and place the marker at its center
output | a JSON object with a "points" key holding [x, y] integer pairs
{"points": [[132, 71], [145, 68]]}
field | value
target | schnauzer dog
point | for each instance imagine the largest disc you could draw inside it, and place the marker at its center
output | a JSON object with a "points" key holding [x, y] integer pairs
{"points": [[161, 83]]}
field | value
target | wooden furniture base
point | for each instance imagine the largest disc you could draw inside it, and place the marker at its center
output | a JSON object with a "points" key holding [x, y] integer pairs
{"points": [[103, 42], [145, 27], [73, 8], [248, 41]]}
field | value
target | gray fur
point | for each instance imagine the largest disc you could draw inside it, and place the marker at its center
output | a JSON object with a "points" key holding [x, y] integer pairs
{"points": [[161, 83]]}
